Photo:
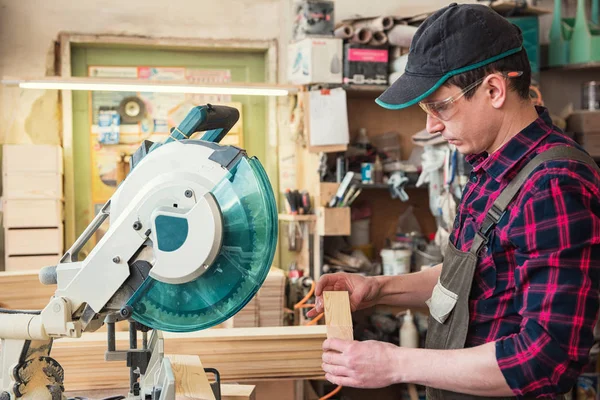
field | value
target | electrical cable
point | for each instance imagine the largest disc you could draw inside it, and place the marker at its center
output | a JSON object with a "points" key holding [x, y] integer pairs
{"points": [[302, 304], [9, 311]]}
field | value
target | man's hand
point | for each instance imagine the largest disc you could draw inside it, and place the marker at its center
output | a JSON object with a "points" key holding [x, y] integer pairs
{"points": [[369, 364], [364, 292]]}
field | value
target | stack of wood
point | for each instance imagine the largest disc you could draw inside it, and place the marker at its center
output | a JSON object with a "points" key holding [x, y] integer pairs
{"points": [[248, 316], [32, 184], [240, 354], [271, 299]]}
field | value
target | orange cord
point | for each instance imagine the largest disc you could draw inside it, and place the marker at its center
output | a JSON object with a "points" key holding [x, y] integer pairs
{"points": [[332, 393], [307, 297], [315, 320]]}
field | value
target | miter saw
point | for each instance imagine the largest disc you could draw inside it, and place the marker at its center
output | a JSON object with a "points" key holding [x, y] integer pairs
{"points": [[193, 231]]}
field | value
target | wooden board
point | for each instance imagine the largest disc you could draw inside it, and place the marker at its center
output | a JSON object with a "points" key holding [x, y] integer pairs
{"points": [[23, 291], [338, 316], [31, 158], [33, 241], [29, 263], [32, 186], [228, 392], [191, 381], [239, 354], [32, 213]]}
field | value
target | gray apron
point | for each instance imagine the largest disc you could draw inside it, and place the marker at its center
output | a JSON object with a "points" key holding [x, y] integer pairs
{"points": [[449, 302]]}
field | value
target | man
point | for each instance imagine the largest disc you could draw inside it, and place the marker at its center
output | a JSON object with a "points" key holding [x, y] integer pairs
{"points": [[513, 308]]}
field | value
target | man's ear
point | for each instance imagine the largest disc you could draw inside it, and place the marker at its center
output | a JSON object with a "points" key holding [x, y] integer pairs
{"points": [[496, 90]]}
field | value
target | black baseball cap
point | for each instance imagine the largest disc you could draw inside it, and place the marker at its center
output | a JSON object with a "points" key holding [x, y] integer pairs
{"points": [[453, 40]]}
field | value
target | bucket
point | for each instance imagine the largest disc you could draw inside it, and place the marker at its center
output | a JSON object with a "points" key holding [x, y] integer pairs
{"points": [[396, 261]]}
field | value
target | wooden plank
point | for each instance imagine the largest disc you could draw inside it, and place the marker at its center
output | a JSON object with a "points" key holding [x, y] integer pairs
{"points": [[26, 185], [32, 213], [33, 241], [338, 316], [23, 291], [29, 263], [228, 392], [31, 158], [191, 381]]}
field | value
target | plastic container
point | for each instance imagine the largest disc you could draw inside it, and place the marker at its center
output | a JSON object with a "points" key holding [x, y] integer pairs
{"points": [[409, 335], [396, 261], [590, 96]]}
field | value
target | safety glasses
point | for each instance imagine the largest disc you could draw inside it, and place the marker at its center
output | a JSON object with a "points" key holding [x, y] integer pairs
{"points": [[444, 109]]}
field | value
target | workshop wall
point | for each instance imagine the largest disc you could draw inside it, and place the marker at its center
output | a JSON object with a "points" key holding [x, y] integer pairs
{"points": [[29, 29]]}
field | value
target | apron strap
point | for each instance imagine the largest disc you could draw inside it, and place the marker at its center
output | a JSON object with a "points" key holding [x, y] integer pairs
{"points": [[498, 209]]}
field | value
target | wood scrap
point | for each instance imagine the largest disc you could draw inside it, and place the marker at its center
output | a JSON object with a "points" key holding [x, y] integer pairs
{"points": [[191, 381], [338, 316]]}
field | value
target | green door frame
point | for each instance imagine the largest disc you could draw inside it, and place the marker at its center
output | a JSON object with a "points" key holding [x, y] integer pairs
{"points": [[268, 47]]}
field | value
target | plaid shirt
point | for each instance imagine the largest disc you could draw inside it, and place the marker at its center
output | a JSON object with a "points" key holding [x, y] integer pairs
{"points": [[535, 290]]}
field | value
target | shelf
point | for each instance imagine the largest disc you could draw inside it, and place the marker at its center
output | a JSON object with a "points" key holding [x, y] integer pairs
{"points": [[297, 218], [373, 186], [370, 91], [573, 67]]}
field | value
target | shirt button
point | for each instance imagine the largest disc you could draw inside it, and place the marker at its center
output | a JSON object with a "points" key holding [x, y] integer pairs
{"points": [[474, 178]]}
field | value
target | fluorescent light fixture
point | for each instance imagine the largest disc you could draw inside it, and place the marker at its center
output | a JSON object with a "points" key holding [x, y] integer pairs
{"points": [[136, 85]]}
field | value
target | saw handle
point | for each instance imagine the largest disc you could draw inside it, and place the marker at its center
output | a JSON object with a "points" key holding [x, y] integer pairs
{"points": [[216, 121]]}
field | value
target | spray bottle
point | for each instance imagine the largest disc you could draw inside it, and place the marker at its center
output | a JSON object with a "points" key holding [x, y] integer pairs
{"points": [[409, 335]]}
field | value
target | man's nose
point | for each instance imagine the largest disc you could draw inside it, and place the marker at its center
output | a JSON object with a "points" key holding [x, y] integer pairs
{"points": [[434, 125]]}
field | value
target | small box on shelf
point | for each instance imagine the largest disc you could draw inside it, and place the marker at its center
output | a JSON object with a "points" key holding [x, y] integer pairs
{"points": [[333, 221], [327, 191], [315, 60]]}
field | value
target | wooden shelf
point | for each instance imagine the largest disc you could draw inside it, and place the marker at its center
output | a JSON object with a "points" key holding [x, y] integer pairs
{"points": [[369, 91], [573, 67], [297, 218]]}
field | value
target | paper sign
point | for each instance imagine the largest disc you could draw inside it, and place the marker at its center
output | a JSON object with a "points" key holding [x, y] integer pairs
{"points": [[328, 118]]}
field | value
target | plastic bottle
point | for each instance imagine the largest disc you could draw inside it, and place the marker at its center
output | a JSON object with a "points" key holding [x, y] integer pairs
{"points": [[378, 170], [409, 335], [363, 139]]}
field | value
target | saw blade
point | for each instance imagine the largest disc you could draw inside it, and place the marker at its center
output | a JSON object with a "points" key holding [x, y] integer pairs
{"points": [[249, 213]]}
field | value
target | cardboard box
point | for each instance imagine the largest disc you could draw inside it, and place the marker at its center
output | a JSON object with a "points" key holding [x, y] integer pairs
{"points": [[18, 158], [334, 221], [32, 213], [33, 241], [315, 60], [365, 65], [27, 263], [35, 185], [584, 121]]}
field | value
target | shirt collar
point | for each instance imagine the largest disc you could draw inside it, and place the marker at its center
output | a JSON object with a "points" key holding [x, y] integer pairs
{"points": [[506, 158]]}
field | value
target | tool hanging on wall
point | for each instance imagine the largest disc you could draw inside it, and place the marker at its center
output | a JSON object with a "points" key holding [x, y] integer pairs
{"points": [[132, 110]]}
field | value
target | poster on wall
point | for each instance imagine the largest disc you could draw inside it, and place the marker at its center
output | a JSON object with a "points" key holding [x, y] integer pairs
{"points": [[121, 121]]}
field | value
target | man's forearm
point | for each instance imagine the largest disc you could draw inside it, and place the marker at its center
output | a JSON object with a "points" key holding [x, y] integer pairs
{"points": [[410, 290], [472, 371]]}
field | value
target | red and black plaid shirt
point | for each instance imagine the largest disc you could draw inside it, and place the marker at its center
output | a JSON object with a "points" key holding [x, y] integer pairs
{"points": [[535, 291]]}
